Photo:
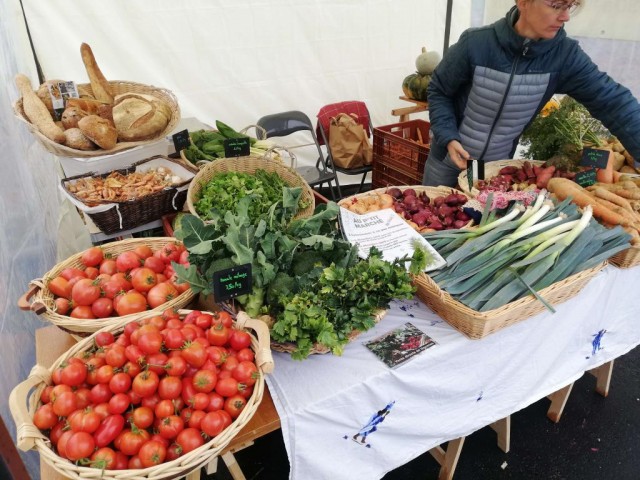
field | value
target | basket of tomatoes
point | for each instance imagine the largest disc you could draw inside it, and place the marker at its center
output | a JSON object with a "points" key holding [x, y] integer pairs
{"points": [[157, 397], [110, 283]]}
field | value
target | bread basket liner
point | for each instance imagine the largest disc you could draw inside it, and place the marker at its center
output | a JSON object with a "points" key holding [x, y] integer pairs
{"points": [[40, 300], [24, 400], [182, 171]]}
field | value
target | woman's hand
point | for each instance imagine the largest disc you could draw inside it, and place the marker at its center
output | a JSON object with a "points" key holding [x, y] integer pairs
{"points": [[458, 154]]}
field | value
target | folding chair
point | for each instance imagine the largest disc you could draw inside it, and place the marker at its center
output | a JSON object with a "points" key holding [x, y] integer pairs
{"points": [[322, 132], [286, 123]]}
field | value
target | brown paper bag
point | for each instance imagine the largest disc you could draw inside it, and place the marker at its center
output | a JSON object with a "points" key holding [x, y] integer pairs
{"points": [[348, 141]]}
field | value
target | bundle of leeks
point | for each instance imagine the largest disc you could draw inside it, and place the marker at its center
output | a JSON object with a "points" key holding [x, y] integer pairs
{"points": [[522, 252]]}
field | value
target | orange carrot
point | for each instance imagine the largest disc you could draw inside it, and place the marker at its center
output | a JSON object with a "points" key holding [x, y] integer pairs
{"points": [[613, 198], [605, 175]]}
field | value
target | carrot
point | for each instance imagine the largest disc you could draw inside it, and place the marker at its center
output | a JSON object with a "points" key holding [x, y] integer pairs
{"points": [[613, 198], [630, 194], [616, 175], [563, 188], [605, 175]]}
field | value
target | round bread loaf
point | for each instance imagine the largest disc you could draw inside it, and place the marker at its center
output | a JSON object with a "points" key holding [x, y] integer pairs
{"points": [[99, 130], [78, 140], [139, 116]]}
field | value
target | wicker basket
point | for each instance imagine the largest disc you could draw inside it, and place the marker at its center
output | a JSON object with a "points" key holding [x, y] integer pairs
{"points": [[111, 217], [480, 324], [24, 401], [318, 348], [627, 258], [491, 169], [118, 87], [432, 192], [250, 164], [40, 299]]}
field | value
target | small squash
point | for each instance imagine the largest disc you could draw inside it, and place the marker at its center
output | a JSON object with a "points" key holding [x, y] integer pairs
{"points": [[427, 62], [415, 86]]}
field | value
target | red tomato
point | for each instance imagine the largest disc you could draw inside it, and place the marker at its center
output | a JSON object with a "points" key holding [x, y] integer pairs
{"points": [[45, 395], [191, 316], [189, 439], [60, 287], [85, 292], [127, 261], [170, 273], [134, 354], [234, 405], [245, 355], [144, 279], [173, 338], [216, 402], [170, 426], [158, 321], [132, 302], [118, 403], [169, 253], [223, 317], [104, 459], [101, 393], [230, 363], [84, 421], [79, 445], [116, 356], [164, 408], [204, 321], [122, 461], [170, 387], [132, 440], [45, 418], [217, 355], [74, 374], [195, 418], [142, 417], [72, 272], [145, 383], [108, 430], [63, 441], [239, 340], [212, 424], [105, 374], [134, 463], [218, 335], [157, 362], [131, 368], [194, 354], [104, 338], [150, 342], [143, 251], [108, 266], [246, 372], [151, 401], [92, 257], [65, 403], [176, 366], [161, 293], [227, 387], [152, 453], [57, 430], [83, 397], [204, 381], [102, 307], [173, 451], [155, 264], [120, 383], [112, 288], [170, 312], [61, 306], [92, 273], [83, 312]]}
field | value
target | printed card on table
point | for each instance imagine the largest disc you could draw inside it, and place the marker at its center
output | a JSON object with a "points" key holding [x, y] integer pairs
{"points": [[399, 346]]}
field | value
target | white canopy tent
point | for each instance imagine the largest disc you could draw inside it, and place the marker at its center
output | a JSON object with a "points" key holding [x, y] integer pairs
{"points": [[229, 60]]}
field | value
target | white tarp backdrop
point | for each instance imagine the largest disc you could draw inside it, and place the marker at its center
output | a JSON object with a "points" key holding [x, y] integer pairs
{"points": [[229, 60]]}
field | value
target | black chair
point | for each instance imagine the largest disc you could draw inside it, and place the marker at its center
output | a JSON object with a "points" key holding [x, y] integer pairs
{"points": [[357, 108], [286, 123]]}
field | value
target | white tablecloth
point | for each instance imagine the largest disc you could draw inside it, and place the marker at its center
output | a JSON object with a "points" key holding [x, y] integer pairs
{"points": [[451, 389]]}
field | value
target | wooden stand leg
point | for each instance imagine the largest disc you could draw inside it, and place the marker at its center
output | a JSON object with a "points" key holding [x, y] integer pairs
{"points": [[212, 466], [448, 459], [232, 465], [558, 401], [195, 475], [503, 429], [603, 377]]}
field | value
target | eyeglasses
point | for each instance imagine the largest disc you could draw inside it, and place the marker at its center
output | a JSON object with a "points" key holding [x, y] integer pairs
{"points": [[562, 6]]}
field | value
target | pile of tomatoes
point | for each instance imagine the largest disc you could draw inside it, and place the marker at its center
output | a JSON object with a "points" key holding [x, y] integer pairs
{"points": [[162, 388], [130, 282]]}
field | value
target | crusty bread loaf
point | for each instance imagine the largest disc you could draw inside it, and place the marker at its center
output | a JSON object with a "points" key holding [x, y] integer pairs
{"points": [[37, 112], [99, 131], [99, 84], [78, 140], [71, 116], [87, 105], [139, 116]]}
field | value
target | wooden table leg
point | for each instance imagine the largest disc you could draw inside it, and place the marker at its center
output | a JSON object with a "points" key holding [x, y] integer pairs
{"points": [[195, 475], [558, 402], [503, 429], [232, 466], [603, 377], [448, 459]]}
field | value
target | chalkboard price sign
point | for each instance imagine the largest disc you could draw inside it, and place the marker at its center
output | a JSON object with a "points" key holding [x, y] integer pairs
{"points": [[586, 178], [231, 282], [181, 140], [594, 157], [237, 147]]}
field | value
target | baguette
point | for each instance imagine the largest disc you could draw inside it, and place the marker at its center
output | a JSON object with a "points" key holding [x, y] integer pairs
{"points": [[101, 88], [37, 112]]}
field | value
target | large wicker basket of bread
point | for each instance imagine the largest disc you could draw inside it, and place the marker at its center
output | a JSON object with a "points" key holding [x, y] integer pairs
{"points": [[107, 117]]}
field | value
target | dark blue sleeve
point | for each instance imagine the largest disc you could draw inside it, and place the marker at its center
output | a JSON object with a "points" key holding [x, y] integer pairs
{"points": [[608, 101], [451, 75]]}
